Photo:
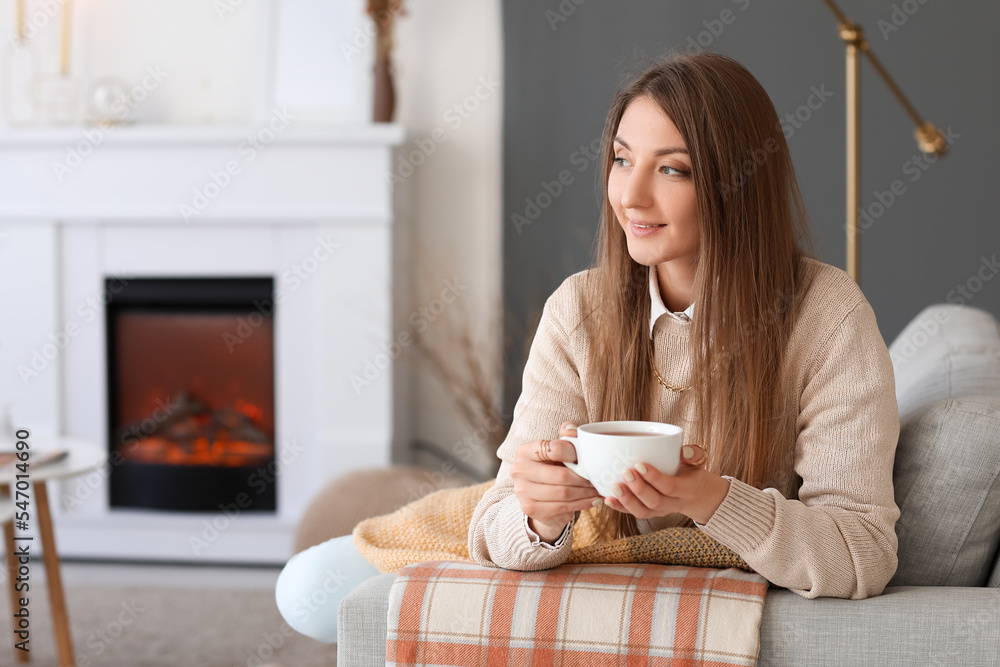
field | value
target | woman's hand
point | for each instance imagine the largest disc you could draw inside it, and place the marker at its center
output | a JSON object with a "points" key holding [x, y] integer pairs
{"points": [[693, 491], [549, 492]]}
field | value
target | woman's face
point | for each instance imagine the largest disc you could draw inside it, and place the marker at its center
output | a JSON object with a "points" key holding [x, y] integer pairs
{"points": [[650, 184]]}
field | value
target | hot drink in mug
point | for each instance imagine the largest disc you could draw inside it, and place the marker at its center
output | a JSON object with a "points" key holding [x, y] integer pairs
{"points": [[605, 450]]}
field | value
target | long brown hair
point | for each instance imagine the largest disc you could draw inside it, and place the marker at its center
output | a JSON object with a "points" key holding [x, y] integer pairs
{"points": [[754, 233]]}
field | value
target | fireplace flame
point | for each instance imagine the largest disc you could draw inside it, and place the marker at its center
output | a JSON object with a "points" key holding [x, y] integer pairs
{"points": [[193, 433]]}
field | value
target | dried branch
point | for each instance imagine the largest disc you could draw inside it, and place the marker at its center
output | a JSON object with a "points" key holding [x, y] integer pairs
{"points": [[469, 367], [383, 12]]}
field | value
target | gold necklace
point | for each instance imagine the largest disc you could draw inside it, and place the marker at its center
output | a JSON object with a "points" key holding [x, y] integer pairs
{"points": [[668, 385], [673, 387]]}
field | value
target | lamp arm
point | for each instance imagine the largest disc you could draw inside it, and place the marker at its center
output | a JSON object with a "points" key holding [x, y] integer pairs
{"points": [[929, 138], [836, 11]]}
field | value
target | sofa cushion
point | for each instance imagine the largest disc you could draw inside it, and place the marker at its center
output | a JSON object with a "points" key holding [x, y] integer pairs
{"points": [[947, 486], [904, 626], [947, 351]]}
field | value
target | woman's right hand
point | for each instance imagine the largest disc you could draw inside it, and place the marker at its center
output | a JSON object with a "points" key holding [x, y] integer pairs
{"points": [[549, 492]]}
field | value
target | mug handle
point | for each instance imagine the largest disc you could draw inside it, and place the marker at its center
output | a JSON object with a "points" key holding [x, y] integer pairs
{"points": [[575, 467]]}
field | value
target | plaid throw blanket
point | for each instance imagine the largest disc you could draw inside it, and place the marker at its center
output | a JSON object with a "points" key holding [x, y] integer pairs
{"points": [[462, 614], [672, 597]]}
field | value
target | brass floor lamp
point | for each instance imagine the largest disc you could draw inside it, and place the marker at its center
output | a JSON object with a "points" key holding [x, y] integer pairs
{"points": [[929, 138]]}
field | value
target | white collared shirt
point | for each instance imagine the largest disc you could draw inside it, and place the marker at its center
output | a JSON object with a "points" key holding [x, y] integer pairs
{"points": [[657, 308], [536, 541]]}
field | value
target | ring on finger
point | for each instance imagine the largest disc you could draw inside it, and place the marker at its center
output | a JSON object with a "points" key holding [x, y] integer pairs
{"points": [[543, 452], [703, 460]]}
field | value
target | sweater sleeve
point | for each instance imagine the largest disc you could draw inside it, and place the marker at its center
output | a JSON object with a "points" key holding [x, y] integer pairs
{"points": [[837, 539], [551, 393]]}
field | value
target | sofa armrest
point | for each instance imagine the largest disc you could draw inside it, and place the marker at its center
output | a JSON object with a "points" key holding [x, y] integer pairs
{"points": [[362, 623], [906, 625]]}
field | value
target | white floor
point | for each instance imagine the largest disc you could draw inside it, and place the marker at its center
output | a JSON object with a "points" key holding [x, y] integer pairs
{"points": [[90, 573]]}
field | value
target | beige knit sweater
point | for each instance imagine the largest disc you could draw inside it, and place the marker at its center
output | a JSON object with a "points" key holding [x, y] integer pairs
{"points": [[825, 528]]}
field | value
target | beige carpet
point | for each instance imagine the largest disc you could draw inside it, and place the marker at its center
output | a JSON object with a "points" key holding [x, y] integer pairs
{"points": [[144, 626]]}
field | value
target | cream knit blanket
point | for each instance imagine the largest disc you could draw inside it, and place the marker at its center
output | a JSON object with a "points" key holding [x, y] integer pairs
{"points": [[436, 527]]}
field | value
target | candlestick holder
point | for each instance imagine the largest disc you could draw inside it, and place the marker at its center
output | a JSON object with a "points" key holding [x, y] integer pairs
{"points": [[19, 65], [57, 98]]}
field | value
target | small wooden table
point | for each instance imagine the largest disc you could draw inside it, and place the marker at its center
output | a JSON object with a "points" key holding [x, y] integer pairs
{"points": [[83, 457]]}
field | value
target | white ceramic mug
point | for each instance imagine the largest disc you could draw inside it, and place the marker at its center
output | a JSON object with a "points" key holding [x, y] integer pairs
{"points": [[605, 450]]}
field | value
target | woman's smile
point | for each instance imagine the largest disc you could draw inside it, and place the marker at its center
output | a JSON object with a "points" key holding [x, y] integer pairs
{"points": [[642, 229]]}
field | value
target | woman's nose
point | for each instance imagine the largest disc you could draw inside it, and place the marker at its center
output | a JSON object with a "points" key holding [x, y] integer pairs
{"points": [[636, 193]]}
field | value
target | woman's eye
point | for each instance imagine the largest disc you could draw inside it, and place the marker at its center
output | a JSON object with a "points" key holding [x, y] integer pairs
{"points": [[669, 171]]}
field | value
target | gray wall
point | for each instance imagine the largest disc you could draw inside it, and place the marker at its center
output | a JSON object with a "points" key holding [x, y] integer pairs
{"points": [[560, 76]]}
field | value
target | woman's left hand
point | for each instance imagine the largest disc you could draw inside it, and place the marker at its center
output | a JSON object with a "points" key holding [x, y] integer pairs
{"points": [[693, 491]]}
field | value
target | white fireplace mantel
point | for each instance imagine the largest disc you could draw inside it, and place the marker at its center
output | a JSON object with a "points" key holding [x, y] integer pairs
{"points": [[141, 172], [311, 206]]}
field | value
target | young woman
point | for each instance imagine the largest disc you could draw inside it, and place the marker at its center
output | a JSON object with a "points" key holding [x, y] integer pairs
{"points": [[704, 310]]}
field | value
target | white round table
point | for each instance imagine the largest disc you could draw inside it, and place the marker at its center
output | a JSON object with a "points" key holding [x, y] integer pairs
{"points": [[83, 458]]}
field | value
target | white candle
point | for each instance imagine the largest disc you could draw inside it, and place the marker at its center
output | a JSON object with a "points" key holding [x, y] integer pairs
{"points": [[19, 19], [64, 41]]}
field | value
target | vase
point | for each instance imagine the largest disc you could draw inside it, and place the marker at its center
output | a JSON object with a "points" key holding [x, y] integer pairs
{"points": [[385, 94]]}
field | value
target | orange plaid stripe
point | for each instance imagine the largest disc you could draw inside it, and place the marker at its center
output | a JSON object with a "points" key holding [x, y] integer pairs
{"points": [[461, 614]]}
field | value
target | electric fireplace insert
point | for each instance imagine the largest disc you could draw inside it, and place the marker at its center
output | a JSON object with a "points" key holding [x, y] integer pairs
{"points": [[191, 393]]}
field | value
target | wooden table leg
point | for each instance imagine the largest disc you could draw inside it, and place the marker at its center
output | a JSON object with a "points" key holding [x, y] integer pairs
{"points": [[60, 619], [8, 539]]}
